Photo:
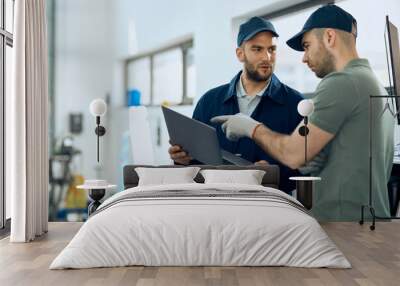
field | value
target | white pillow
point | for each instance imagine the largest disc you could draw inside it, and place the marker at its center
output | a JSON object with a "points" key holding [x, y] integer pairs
{"points": [[166, 176], [248, 177]]}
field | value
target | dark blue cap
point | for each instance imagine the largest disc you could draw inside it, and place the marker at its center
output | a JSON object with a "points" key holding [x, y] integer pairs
{"points": [[329, 16], [252, 27]]}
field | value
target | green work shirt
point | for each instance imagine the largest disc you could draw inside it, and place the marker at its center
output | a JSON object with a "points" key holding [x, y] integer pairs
{"points": [[342, 109]]}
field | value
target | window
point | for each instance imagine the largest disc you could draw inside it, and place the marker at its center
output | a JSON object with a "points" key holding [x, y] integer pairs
{"points": [[190, 75], [9, 17], [6, 43], [8, 60], [167, 83], [139, 78], [166, 75]]}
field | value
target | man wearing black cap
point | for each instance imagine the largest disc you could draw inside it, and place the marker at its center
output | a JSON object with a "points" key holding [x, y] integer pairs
{"points": [[338, 128], [256, 92]]}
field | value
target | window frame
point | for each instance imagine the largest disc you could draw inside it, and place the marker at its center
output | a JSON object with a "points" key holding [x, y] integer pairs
{"points": [[6, 39], [184, 45]]}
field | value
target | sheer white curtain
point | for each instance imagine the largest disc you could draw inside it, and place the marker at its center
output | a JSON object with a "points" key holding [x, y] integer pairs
{"points": [[27, 121]]}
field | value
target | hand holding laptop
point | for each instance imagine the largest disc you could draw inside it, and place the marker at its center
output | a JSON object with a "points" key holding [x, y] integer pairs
{"points": [[178, 155], [198, 139]]}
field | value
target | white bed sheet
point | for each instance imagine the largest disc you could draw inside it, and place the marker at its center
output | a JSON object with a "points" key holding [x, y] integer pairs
{"points": [[200, 231]]}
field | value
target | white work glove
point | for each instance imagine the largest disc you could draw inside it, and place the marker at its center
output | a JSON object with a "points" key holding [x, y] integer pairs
{"points": [[236, 126], [314, 166]]}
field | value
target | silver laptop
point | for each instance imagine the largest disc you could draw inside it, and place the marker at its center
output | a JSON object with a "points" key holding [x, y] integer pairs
{"points": [[198, 139]]}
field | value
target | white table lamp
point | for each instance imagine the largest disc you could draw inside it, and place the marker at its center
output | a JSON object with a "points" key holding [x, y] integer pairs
{"points": [[305, 109], [98, 108], [304, 184]]}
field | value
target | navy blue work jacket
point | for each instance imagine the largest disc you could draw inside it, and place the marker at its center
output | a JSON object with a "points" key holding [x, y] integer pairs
{"points": [[277, 110]]}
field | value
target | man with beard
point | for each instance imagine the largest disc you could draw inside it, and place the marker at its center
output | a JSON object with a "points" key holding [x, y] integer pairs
{"points": [[256, 92], [339, 126]]}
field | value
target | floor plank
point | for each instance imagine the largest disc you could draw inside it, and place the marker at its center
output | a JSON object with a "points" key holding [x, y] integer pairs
{"points": [[374, 255]]}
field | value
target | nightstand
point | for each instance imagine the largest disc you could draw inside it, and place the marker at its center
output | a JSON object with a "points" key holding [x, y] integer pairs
{"points": [[97, 190], [304, 189]]}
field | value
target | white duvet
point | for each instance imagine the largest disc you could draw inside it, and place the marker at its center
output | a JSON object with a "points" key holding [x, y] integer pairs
{"points": [[200, 231]]}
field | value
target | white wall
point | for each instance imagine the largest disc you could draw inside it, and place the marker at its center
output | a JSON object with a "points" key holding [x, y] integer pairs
{"points": [[83, 68]]}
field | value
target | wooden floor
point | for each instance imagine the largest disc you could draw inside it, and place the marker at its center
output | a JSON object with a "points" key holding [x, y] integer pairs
{"points": [[374, 255]]}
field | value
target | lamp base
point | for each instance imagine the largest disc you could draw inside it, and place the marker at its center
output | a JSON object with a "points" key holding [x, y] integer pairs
{"points": [[304, 188], [95, 195]]}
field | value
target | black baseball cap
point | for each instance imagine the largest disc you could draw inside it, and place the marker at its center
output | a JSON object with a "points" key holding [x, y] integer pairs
{"points": [[328, 16], [252, 27]]}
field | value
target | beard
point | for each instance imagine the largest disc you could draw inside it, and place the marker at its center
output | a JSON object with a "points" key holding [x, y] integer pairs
{"points": [[253, 74], [327, 63]]}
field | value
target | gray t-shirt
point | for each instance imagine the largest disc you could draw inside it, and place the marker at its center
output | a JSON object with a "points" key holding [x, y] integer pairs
{"points": [[342, 109]]}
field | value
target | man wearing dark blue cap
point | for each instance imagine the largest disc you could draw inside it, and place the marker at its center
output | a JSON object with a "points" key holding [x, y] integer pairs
{"points": [[339, 126], [254, 91]]}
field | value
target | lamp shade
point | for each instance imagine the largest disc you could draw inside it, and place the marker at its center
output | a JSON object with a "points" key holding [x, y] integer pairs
{"points": [[305, 107], [98, 107]]}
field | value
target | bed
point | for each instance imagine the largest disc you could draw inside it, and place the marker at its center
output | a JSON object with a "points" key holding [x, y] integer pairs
{"points": [[201, 224]]}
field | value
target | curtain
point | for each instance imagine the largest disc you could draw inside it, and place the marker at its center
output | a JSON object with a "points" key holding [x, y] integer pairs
{"points": [[28, 158]]}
